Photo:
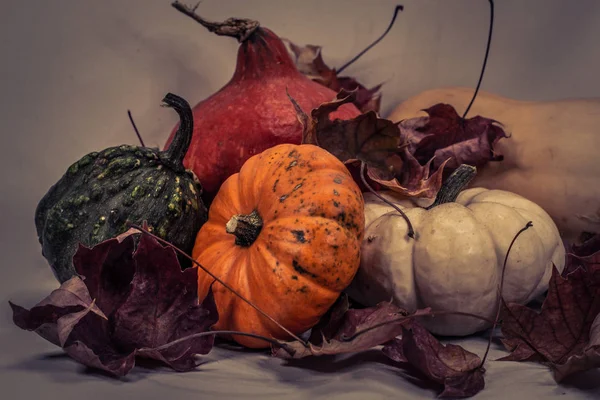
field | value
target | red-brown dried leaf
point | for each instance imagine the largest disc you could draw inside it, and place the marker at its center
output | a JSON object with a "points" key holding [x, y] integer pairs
{"points": [[561, 335], [331, 322], [309, 61], [374, 141], [129, 302], [365, 138], [163, 307], [444, 135], [384, 322], [412, 179], [584, 254], [456, 369]]}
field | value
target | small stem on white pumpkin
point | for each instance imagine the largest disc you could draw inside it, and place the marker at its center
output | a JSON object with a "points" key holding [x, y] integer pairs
{"points": [[487, 53], [239, 28], [137, 132], [455, 184], [246, 228], [398, 8], [501, 287], [232, 290], [411, 231]]}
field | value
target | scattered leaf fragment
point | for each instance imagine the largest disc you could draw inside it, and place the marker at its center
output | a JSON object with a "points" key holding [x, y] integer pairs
{"points": [[309, 61], [564, 335], [376, 142], [585, 254], [345, 340], [127, 302], [445, 135], [366, 138], [458, 370]]}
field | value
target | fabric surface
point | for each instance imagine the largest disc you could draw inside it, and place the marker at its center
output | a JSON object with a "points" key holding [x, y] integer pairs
{"points": [[70, 70]]}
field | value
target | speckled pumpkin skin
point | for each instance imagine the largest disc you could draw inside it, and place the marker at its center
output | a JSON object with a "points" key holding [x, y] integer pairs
{"points": [[104, 190], [306, 253]]}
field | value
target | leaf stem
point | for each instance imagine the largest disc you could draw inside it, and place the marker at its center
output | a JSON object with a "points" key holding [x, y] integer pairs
{"points": [[137, 132], [487, 52], [214, 333], [428, 313], [232, 290], [379, 39], [487, 350], [411, 231]]}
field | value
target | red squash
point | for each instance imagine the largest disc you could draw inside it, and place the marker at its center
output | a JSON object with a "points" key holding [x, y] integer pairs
{"points": [[252, 112]]}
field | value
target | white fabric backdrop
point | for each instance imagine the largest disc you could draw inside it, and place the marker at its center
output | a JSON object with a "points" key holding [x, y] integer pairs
{"points": [[70, 69]]}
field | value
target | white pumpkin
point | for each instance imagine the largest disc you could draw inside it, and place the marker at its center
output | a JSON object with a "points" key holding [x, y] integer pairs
{"points": [[455, 261]]}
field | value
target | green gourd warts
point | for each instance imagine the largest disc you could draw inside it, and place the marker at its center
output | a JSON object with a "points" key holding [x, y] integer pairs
{"points": [[104, 192]]}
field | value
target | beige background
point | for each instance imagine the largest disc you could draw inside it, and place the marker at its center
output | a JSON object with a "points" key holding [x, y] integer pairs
{"points": [[71, 68]]}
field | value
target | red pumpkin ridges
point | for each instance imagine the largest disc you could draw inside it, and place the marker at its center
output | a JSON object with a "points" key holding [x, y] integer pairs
{"points": [[252, 112], [297, 220]]}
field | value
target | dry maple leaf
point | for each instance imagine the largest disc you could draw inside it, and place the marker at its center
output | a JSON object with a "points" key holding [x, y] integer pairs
{"points": [[383, 322], [132, 301], [372, 140], [408, 177], [309, 61], [585, 254], [365, 138], [445, 135], [564, 335], [345, 330], [458, 370]]}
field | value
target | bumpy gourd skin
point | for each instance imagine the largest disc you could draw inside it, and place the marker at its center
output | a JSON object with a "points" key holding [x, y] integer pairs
{"points": [[306, 253], [102, 192]]}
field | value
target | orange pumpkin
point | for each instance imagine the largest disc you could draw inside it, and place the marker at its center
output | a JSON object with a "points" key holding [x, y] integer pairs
{"points": [[285, 232]]}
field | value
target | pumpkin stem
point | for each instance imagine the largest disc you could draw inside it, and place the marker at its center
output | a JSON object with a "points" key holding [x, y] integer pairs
{"points": [[239, 28], [454, 185], [173, 156], [245, 228]]}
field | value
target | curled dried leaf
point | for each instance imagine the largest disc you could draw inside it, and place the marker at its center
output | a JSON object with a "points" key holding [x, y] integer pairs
{"points": [[366, 138], [459, 371], [564, 335], [128, 301], [309, 61], [445, 135]]}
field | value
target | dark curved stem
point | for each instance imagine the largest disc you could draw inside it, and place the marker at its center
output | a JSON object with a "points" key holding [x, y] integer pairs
{"points": [[135, 129], [379, 39], [239, 28], [455, 184], [411, 231], [487, 52], [274, 342], [181, 142], [527, 226], [412, 316], [216, 278]]}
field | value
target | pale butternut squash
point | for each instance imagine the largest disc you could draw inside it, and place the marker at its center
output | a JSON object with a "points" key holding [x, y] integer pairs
{"points": [[551, 157]]}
